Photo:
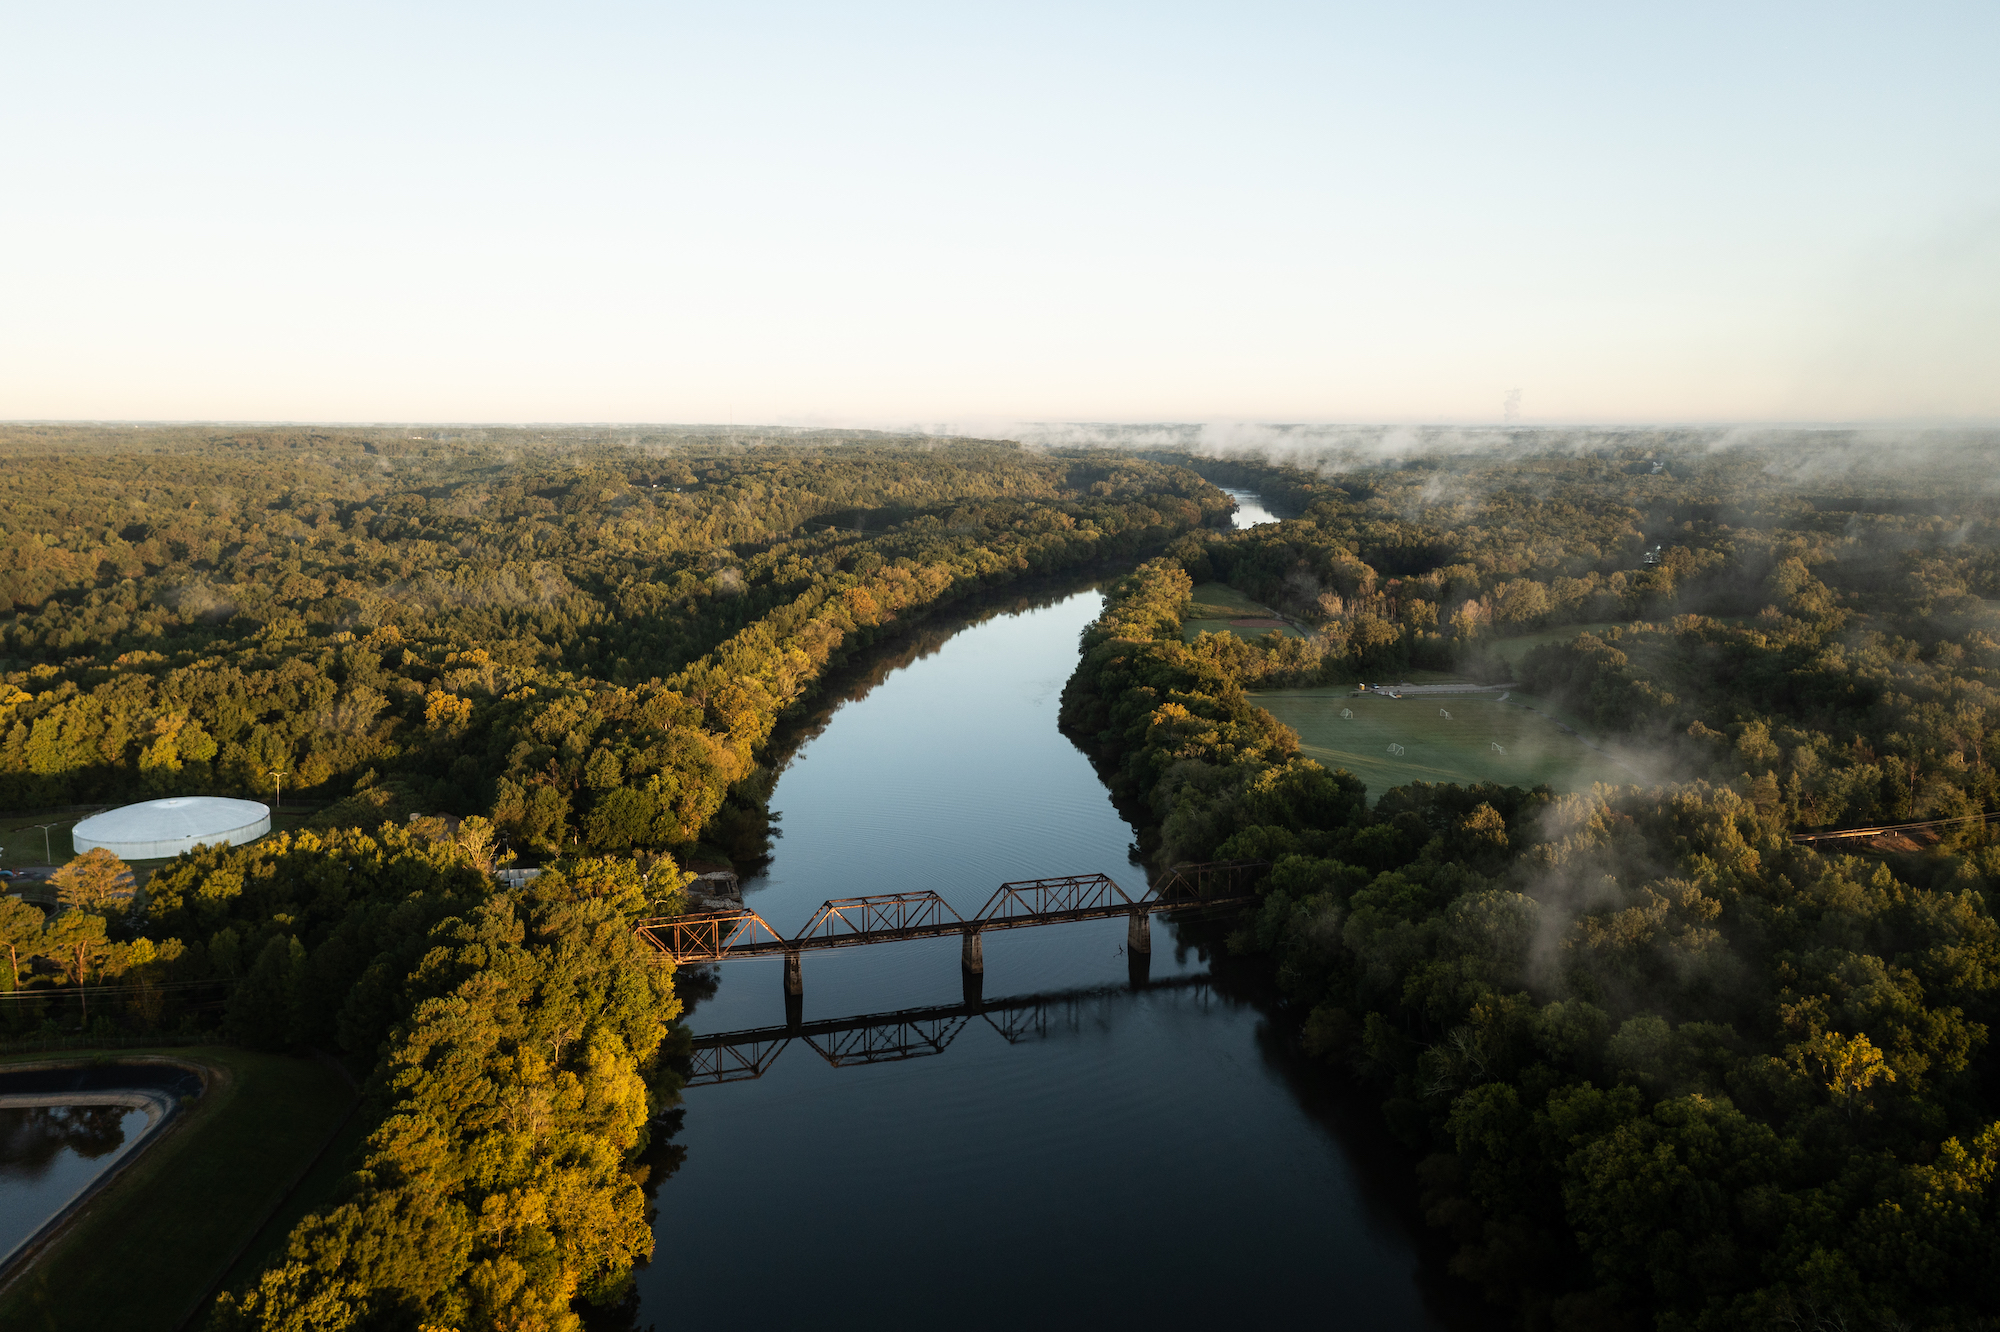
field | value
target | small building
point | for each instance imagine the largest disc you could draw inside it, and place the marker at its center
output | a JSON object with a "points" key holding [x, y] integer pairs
{"points": [[717, 888]]}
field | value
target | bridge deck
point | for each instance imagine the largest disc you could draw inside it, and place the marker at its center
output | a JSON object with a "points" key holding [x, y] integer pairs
{"points": [[851, 922], [955, 928]]}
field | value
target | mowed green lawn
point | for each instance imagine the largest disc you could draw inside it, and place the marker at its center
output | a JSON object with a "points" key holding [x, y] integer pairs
{"points": [[155, 1240], [1439, 749], [1514, 650], [21, 844], [1216, 604]]}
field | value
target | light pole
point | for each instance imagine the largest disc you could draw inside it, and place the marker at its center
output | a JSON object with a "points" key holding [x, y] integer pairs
{"points": [[278, 776], [48, 857]]}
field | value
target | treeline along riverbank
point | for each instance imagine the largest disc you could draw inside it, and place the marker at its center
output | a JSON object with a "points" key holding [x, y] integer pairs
{"points": [[574, 648], [1661, 1066]]}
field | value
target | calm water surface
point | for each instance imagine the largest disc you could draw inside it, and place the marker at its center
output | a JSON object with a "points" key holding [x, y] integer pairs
{"points": [[49, 1154], [1148, 1156], [1250, 510]]}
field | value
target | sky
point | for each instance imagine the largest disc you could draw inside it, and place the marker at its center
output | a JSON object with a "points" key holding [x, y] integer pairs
{"points": [[963, 216]]}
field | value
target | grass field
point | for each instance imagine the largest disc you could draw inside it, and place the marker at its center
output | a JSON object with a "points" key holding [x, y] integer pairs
{"points": [[154, 1241], [21, 842], [1513, 650], [320, 1187], [1216, 604], [1439, 749]]}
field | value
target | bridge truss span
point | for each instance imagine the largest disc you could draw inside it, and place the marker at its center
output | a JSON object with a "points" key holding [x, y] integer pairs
{"points": [[1045, 897], [847, 922], [708, 936], [845, 919]]}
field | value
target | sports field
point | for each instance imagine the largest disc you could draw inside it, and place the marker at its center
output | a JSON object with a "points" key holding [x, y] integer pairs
{"points": [[1216, 604], [1458, 748]]}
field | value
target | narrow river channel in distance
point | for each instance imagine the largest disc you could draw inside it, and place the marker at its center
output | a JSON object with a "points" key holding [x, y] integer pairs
{"points": [[1147, 1151]]}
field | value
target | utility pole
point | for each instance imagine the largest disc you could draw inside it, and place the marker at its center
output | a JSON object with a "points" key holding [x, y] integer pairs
{"points": [[278, 776]]}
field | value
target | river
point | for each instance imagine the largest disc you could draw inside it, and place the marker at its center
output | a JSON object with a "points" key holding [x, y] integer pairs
{"points": [[1144, 1149], [1251, 510]]}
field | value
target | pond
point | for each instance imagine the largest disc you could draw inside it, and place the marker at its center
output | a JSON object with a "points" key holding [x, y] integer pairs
{"points": [[1137, 1145], [61, 1129]]}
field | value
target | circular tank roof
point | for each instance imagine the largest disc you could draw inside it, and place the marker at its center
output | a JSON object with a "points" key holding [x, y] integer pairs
{"points": [[158, 828]]}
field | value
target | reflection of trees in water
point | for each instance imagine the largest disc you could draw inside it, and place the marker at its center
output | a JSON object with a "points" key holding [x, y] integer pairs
{"points": [[32, 1138], [859, 679], [1349, 1114], [745, 827], [652, 1167], [694, 984]]}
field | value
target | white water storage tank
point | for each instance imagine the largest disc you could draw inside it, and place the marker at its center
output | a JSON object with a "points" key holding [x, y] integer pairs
{"points": [[157, 829]]}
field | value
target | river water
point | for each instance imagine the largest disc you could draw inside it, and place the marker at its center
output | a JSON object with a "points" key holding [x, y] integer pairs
{"points": [[1144, 1149], [1250, 508]]}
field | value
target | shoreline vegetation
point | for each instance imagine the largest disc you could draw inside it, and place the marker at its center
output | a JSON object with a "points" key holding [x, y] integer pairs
{"points": [[476, 651], [1658, 1066]]}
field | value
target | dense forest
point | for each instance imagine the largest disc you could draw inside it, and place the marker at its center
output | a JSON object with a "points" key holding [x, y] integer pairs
{"points": [[465, 651], [587, 644], [1664, 1065]]}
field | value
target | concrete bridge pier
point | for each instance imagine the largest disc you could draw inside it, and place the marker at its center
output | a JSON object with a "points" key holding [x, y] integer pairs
{"points": [[1139, 934], [1138, 969], [975, 954], [795, 981]]}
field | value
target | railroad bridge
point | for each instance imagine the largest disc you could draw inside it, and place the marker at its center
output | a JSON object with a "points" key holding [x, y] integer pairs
{"points": [[850, 922]]}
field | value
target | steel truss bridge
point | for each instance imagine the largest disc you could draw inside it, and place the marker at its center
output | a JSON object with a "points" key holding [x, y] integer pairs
{"points": [[850, 922], [910, 1033]]}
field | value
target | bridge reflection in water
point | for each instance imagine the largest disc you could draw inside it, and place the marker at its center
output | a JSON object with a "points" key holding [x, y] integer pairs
{"points": [[913, 1033]]}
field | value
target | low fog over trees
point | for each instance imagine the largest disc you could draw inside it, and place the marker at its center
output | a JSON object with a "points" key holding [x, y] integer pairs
{"points": [[1664, 1065]]}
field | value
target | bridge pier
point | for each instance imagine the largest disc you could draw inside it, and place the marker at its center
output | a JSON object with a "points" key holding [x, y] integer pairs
{"points": [[1139, 934], [795, 981], [974, 958]]}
